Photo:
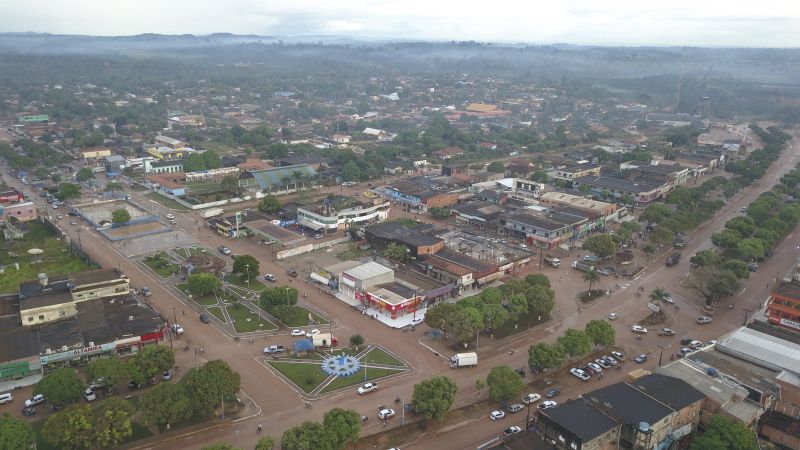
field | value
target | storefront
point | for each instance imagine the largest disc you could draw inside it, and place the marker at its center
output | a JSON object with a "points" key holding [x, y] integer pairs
{"points": [[392, 304]]}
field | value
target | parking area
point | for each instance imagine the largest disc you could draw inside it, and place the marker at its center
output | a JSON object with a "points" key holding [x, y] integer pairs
{"points": [[270, 231]]}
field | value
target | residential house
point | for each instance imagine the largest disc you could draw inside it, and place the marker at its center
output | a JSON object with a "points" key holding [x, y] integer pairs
{"points": [[572, 172], [23, 212], [455, 169], [341, 138], [381, 135], [492, 196], [448, 153], [93, 155]]}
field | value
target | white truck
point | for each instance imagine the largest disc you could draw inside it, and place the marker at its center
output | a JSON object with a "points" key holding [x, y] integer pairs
{"points": [[552, 261], [211, 212], [464, 360]]}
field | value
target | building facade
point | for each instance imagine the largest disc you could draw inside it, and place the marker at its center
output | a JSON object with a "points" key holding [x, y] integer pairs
{"points": [[330, 219]]}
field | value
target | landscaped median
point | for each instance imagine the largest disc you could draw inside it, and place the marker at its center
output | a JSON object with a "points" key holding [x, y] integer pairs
{"points": [[305, 371], [246, 321]]}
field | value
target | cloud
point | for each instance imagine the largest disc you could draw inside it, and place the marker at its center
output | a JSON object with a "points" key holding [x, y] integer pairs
{"points": [[678, 22]]}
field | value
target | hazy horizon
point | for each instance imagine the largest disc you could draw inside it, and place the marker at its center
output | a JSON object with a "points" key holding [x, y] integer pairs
{"points": [[580, 22]]}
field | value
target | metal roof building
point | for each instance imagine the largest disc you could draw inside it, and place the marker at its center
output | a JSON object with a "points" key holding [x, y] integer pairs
{"points": [[274, 177], [762, 349]]}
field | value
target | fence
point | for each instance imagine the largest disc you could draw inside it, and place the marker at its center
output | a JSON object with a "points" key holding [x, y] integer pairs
{"points": [[283, 254]]}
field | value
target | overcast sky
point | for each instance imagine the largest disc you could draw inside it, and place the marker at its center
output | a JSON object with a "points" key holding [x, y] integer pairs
{"points": [[766, 23]]}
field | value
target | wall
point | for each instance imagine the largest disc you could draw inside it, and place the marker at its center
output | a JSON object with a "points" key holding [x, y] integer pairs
{"points": [[283, 254], [37, 316]]}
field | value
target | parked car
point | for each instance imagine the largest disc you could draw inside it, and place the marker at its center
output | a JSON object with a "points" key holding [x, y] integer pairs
{"points": [[752, 267], [224, 250], [312, 332], [204, 318], [547, 404], [639, 329], [318, 236], [610, 360], [515, 408], [497, 415], [531, 398], [695, 344], [685, 351], [673, 259], [37, 399], [613, 316], [640, 359], [133, 385], [292, 273], [669, 299], [702, 320], [512, 430], [297, 332], [367, 388], [580, 374], [679, 243], [743, 209], [686, 341], [554, 392], [596, 367], [28, 411], [385, 413], [177, 328], [273, 349], [666, 332], [167, 375], [618, 355], [88, 394]]}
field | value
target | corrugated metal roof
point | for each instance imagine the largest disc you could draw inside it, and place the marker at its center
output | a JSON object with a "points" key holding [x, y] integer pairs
{"points": [[762, 349], [368, 270], [274, 176]]}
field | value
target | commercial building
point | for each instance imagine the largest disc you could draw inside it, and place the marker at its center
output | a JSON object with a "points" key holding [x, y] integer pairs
{"points": [[673, 174], [339, 213], [570, 173], [641, 192], [783, 308], [418, 239], [478, 214], [608, 211], [277, 178], [94, 154], [420, 193], [364, 277], [23, 212], [543, 228]]}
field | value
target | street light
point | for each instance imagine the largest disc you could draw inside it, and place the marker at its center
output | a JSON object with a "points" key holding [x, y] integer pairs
{"points": [[247, 268]]}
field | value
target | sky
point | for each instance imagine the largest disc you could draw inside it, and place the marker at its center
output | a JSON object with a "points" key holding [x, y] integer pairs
{"points": [[727, 23]]}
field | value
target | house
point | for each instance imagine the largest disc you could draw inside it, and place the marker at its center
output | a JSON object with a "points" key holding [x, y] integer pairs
{"points": [[23, 212], [492, 196], [114, 164], [455, 168], [394, 167], [341, 138], [169, 183], [783, 307], [11, 196], [484, 177], [417, 239], [163, 166], [167, 141], [381, 135], [94, 154], [574, 171], [448, 153]]}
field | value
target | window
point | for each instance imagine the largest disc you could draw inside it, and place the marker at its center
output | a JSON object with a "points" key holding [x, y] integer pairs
{"points": [[62, 313], [41, 316], [30, 318]]}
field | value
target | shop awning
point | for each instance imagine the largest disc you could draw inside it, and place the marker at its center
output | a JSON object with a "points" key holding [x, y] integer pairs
{"points": [[317, 277]]}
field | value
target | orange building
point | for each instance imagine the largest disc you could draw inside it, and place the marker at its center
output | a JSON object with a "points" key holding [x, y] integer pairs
{"points": [[783, 308]]}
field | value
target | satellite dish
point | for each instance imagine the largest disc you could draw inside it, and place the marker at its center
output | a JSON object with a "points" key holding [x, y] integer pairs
{"points": [[35, 251]]}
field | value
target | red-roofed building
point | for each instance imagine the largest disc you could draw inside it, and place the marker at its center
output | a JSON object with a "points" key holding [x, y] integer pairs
{"points": [[449, 152]]}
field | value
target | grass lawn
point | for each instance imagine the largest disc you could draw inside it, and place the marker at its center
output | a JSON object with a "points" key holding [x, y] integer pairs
{"points": [[525, 322], [217, 312], [358, 378], [162, 264], [56, 259], [168, 202], [241, 281], [182, 252], [219, 148], [305, 376], [245, 321], [206, 300], [379, 356], [300, 318]]}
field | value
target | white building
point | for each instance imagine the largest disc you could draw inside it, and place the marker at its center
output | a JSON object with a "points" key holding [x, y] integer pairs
{"points": [[333, 216]]}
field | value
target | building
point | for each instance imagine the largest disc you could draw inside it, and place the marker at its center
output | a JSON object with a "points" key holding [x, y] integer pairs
{"points": [[163, 165], [455, 168], [674, 174], [420, 193], [23, 212], [46, 300], [169, 183], [675, 120], [478, 214], [543, 228], [393, 299], [94, 154], [38, 118], [783, 308], [362, 278], [185, 120], [448, 153], [12, 196], [572, 172], [608, 211], [318, 163], [341, 138], [341, 213], [167, 141], [651, 412], [276, 178], [418, 239], [641, 192]]}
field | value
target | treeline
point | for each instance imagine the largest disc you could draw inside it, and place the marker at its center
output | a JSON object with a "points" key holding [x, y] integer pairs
{"points": [[572, 344]]}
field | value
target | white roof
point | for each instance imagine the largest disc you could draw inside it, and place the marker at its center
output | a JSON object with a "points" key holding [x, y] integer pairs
{"points": [[762, 349], [368, 270], [372, 131]]}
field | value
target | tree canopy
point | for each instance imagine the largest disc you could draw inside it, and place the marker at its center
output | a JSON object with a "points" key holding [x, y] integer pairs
{"points": [[434, 397], [61, 386], [246, 265], [723, 433], [15, 434], [120, 216], [504, 383], [152, 361], [203, 283]]}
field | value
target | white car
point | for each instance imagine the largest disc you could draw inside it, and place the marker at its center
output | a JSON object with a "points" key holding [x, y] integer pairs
{"points": [[169, 216], [512, 430], [711, 343], [497, 415], [547, 404], [578, 373], [669, 299], [515, 408], [531, 398], [366, 388], [385, 413], [639, 329], [312, 332], [35, 400], [702, 320], [596, 367], [618, 355], [613, 316], [88, 394], [177, 328], [297, 332]]}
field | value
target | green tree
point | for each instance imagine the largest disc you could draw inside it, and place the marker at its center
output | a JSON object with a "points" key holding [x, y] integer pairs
{"points": [[309, 435], [539, 176], [112, 370], [269, 204], [284, 313], [166, 404], [537, 279], [112, 421], [434, 397], [546, 356], [496, 167], [600, 244], [220, 446], [112, 186], [541, 301], [230, 183], [67, 191], [662, 236], [494, 315], [265, 443], [659, 295], [464, 323], [751, 248], [743, 225], [736, 267], [70, 428], [279, 295], [60, 387], [397, 252], [342, 426], [203, 283], [591, 276], [517, 305], [209, 384], [84, 174], [440, 213], [601, 333], [153, 360], [15, 434], [723, 433], [194, 163], [480, 384], [351, 172], [726, 239], [120, 216], [211, 160], [705, 258], [247, 266], [438, 315], [356, 341], [504, 383], [575, 342]]}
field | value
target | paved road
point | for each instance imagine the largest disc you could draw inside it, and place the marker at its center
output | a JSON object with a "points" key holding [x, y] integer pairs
{"points": [[282, 408]]}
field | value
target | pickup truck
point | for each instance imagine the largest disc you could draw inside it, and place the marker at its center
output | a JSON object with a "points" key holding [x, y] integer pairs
{"points": [[552, 261], [273, 349], [367, 387]]}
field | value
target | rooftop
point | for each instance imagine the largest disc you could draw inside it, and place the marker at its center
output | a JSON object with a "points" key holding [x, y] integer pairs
{"points": [[95, 276], [465, 260], [617, 183], [417, 236], [581, 419], [276, 176], [669, 390], [368, 270], [447, 266], [762, 349], [544, 220], [630, 405], [788, 289]]}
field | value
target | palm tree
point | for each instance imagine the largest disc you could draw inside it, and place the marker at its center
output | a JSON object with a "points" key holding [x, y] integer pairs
{"points": [[287, 180], [658, 295], [591, 276]]}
